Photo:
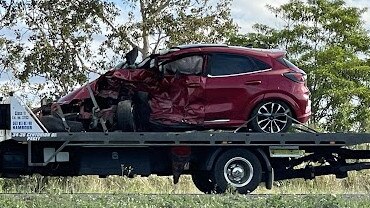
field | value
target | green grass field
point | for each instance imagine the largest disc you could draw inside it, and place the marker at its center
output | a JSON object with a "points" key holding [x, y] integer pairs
{"points": [[117, 191], [227, 200], [357, 182]]}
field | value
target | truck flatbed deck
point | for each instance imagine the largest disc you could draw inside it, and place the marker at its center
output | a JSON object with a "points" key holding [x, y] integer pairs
{"points": [[196, 138], [214, 159]]}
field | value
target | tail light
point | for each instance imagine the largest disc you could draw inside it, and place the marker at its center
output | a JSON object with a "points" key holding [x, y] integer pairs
{"points": [[296, 77]]}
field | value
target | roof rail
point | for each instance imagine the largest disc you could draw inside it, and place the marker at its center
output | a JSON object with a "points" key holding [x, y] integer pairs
{"points": [[198, 46]]}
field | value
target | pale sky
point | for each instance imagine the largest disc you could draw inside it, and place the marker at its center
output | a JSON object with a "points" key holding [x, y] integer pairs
{"points": [[248, 12]]}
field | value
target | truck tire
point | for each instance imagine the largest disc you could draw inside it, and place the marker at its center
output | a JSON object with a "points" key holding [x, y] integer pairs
{"points": [[238, 169], [203, 181], [125, 116]]}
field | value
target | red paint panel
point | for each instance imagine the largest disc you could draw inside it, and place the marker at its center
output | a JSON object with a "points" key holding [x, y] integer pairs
{"points": [[179, 100], [230, 97]]}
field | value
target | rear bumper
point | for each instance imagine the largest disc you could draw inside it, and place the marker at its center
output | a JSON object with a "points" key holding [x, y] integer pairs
{"points": [[304, 118], [305, 110]]}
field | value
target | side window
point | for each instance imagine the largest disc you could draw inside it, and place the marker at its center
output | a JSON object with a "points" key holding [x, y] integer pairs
{"points": [[191, 65], [228, 64]]}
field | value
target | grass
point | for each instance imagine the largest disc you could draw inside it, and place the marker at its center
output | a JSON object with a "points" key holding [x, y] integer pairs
{"points": [[357, 182], [93, 184], [117, 200], [113, 192]]}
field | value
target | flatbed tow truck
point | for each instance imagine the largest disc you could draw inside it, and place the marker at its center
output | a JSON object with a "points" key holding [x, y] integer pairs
{"points": [[216, 160]]}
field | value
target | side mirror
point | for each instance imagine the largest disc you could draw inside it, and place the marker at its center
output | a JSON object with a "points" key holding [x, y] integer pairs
{"points": [[132, 56]]}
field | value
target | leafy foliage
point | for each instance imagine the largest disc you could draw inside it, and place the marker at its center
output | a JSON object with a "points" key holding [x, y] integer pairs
{"points": [[51, 39], [169, 23], [64, 41], [327, 39]]}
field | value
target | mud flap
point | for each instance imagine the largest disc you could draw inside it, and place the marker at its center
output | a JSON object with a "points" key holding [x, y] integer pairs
{"points": [[180, 158], [270, 176]]}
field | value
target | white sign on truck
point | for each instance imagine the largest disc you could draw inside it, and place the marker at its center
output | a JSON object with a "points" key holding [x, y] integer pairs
{"points": [[21, 118]]}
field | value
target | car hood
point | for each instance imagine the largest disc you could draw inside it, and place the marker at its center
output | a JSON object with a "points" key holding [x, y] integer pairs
{"points": [[107, 85], [78, 94]]}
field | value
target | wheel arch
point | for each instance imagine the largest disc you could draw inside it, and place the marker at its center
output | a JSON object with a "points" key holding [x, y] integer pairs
{"points": [[292, 104]]}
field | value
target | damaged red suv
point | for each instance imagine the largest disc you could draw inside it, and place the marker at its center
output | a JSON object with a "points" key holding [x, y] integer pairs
{"points": [[191, 87]]}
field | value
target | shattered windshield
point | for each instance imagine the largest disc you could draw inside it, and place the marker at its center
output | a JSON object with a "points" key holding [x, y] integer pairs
{"points": [[137, 65], [120, 65], [143, 62]]}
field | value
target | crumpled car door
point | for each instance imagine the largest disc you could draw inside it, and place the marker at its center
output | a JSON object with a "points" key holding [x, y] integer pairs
{"points": [[180, 95]]}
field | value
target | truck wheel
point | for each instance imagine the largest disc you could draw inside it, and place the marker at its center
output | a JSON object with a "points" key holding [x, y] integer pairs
{"points": [[202, 180], [270, 117], [239, 169], [125, 116]]}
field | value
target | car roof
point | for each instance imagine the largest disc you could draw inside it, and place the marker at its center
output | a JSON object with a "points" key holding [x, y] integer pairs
{"points": [[271, 52], [224, 48], [202, 45]]}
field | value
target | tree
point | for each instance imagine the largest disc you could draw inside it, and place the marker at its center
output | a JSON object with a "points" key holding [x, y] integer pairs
{"points": [[169, 23], [51, 39], [63, 41], [327, 39]]}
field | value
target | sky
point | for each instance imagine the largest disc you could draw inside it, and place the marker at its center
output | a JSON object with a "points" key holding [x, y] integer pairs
{"points": [[248, 12]]}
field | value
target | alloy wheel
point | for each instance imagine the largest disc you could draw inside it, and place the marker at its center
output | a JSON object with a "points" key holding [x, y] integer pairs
{"points": [[272, 117]]}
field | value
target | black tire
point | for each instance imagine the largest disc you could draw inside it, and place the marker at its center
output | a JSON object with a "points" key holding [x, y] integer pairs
{"points": [[270, 118], [238, 169], [55, 124], [203, 181], [125, 116], [142, 110]]}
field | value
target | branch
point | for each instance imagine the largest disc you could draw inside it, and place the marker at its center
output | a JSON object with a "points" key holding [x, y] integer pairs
{"points": [[7, 11], [44, 35], [161, 7], [73, 48], [158, 41], [124, 37]]}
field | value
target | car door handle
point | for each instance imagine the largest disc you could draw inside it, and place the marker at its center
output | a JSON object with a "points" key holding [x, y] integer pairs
{"points": [[255, 82], [193, 84]]}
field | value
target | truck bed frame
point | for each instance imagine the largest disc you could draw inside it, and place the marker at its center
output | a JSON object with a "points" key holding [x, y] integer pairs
{"points": [[281, 155]]}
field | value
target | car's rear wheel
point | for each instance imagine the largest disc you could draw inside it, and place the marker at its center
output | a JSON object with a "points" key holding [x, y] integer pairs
{"points": [[125, 116], [271, 117]]}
